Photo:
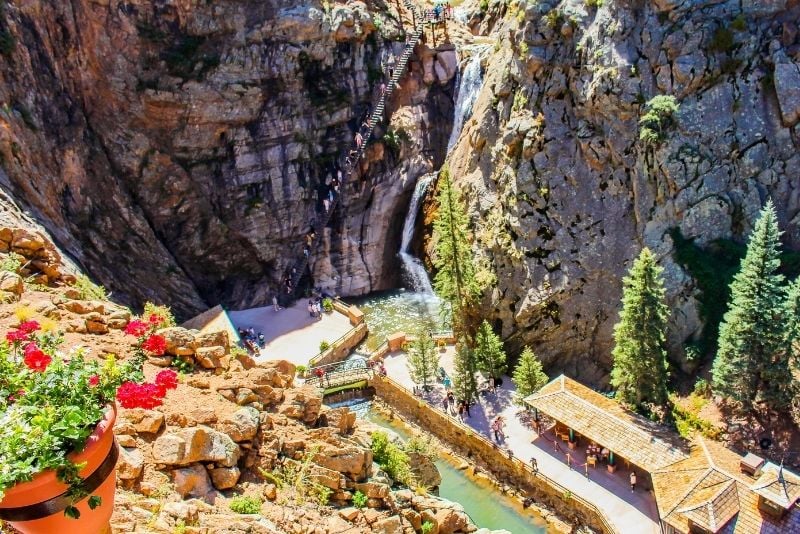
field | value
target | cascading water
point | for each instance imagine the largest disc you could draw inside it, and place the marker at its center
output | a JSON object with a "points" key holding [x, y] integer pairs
{"points": [[415, 272], [468, 89]]}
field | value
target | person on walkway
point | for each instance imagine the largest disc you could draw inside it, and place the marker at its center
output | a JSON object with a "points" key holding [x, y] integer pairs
{"points": [[275, 303], [466, 409], [446, 405], [496, 429], [534, 464], [359, 139], [461, 410], [451, 400], [310, 309], [491, 384], [633, 481], [383, 88]]}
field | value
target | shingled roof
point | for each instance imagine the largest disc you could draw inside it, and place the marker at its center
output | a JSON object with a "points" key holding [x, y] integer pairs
{"points": [[708, 489], [606, 422]]}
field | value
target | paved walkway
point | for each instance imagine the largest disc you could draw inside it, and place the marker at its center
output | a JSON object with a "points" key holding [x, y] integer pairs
{"points": [[630, 512], [291, 334]]}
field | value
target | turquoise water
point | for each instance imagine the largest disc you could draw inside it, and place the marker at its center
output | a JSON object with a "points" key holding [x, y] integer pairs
{"points": [[398, 310], [486, 507]]}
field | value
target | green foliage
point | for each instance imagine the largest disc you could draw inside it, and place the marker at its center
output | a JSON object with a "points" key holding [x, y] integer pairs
{"points": [[752, 363], [491, 358], [359, 500], [484, 6], [702, 387], [687, 422], [593, 3], [427, 527], [324, 345], [11, 262], [528, 376], [245, 505], [722, 40], [739, 23], [297, 478], [183, 366], [164, 312], [88, 289], [792, 312], [394, 139], [658, 117], [423, 359], [457, 280], [520, 101], [553, 19], [639, 371], [392, 459], [523, 50], [465, 385], [302, 370], [327, 305]]}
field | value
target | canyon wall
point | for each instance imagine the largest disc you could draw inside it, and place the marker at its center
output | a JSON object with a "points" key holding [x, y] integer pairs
{"points": [[562, 192], [174, 149]]}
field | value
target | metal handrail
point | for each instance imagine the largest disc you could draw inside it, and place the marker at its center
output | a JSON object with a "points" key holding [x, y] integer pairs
{"points": [[525, 467], [311, 362], [331, 379]]}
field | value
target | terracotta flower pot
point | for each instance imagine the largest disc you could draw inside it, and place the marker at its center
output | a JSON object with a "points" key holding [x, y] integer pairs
{"points": [[37, 507], [611, 468]]}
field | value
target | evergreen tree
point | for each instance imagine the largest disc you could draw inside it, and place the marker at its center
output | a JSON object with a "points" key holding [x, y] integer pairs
{"points": [[640, 354], [528, 375], [752, 362], [491, 358], [456, 278], [423, 359], [465, 385], [793, 322]]}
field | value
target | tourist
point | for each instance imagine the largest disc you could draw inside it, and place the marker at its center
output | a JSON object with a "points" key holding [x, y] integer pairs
{"points": [[461, 410], [446, 405], [275, 303], [496, 429], [451, 399], [491, 384], [359, 139], [383, 369], [466, 408], [633, 481], [311, 309], [534, 464], [306, 251], [383, 88], [262, 342]]}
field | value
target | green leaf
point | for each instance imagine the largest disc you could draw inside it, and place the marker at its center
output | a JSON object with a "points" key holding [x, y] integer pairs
{"points": [[94, 502], [72, 512]]}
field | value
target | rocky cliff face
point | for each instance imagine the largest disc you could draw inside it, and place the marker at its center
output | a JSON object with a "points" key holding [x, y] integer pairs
{"points": [[175, 149], [564, 194]]}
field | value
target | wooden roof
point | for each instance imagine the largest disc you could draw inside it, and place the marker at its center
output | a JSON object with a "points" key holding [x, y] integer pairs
{"points": [[778, 485], [606, 422], [708, 489]]}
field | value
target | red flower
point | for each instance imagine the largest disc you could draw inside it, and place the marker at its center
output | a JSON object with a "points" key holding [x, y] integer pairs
{"points": [[29, 327], [35, 359], [155, 345], [14, 396], [136, 328], [132, 395], [94, 380], [167, 379], [16, 336], [155, 319]]}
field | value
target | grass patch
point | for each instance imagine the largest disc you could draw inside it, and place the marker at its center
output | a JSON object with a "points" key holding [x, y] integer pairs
{"points": [[88, 289], [245, 505], [687, 421]]}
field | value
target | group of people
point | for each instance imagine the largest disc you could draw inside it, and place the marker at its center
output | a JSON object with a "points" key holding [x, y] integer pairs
{"points": [[498, 427], [315, 307], [252, 341], [439, 12]]}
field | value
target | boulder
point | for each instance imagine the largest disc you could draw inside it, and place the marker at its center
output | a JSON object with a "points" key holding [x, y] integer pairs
{"points": [[196, 444], [354, 462], [183, 511], [241, 425], [327, 477], [389, 525], [192, 481], [446, 65], [180, 342], [204, 416], [244, 396], [82, 307], [349, 514], [143, 421], [225, 477], [213, 339], [95, 326], [130, 463], [11, 283], [302, 403], [451, 521], [286, 369], [373, 490], [787, 87], [424, 470], [210, 357], [342, 419], [25, 241]]}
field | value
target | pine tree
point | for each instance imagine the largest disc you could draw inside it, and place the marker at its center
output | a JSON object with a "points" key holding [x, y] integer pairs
{"points": [[528, 375], [465, 385], [640, 354], [752, 362], [456, 278], [793, 322], [491, 358], [423, 359]]}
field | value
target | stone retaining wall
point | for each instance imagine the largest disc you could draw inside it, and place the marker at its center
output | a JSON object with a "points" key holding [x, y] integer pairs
{"points": [[341, 348], [469, 443]]}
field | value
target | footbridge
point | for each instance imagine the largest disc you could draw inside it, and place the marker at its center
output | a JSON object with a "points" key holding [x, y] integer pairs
{"points": [[354, 373]]}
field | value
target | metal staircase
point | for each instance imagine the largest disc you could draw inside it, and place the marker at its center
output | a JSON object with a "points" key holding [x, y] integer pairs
{"points": [[356, 153]]}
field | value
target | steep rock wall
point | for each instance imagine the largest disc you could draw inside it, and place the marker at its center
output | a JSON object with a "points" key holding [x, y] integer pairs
{"points": [[562, 192], [174, 149]]}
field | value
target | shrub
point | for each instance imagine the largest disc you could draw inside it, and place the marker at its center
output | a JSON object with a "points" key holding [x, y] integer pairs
{"points": [[245, 505], [553, 19], [593, 3], [391, 458], [89, 290], [327, 305], [324, 345], [658, 116], [11, 262], [427, 527], [359, 500], [484, 6], [301, 370], [167, 319], [722, 40], [739, 23], [702, 387], [7, 43]]}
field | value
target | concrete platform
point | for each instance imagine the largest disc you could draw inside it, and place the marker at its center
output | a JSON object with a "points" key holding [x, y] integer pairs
{"points": [[291, 334]]}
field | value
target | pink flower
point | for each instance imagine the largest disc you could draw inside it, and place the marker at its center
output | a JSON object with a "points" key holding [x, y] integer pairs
{"points": [[35, 359], [16, 336], [132, 395], [136, 328], [94, 380], [155, 344], [29, 327], [155, 319]]}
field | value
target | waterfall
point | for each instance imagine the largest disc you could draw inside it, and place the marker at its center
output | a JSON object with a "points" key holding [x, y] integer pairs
{"points": [[415, 272], [468, 88]]}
